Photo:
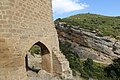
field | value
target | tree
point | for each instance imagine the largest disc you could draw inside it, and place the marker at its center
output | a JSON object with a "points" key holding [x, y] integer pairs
{"points": [[35, 50], [113, 70], [88, 64]]}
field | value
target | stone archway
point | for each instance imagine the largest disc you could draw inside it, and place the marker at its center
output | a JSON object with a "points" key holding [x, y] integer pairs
{"points": [[38, 59]]}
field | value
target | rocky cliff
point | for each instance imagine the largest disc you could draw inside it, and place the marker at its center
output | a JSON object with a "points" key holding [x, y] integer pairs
{"points": [[86, 43]]}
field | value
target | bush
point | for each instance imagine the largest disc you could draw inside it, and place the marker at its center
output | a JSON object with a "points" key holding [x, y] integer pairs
{"points": [[113, 70], [88, 68], [35, 49]]}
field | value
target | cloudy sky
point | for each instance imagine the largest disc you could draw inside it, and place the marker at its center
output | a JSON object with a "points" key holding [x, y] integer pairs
{"points": [[64, 8]]}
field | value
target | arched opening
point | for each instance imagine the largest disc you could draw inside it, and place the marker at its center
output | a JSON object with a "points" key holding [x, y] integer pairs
{"points": [[38, 58]]}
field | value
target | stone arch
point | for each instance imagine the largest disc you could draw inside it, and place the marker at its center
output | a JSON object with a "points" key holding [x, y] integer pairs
{"points": [[45, 56]]}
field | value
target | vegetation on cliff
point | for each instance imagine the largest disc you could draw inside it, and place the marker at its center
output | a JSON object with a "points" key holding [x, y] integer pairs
{"points": [[102, 25], [89, 68]]}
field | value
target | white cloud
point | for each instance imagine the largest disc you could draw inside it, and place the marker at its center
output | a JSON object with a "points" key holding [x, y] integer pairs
{"points": [[64, 6]]}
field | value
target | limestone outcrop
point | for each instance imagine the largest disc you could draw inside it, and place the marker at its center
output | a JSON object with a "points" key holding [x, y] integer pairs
{"points": [[87, 44]]}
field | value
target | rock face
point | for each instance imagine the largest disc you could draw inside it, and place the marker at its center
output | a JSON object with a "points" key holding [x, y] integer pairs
{"points": [[35, 61], [42, 75], [87, 45]]}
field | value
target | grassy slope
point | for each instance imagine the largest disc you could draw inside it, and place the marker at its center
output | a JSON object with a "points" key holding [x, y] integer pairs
{"points": [[103, 25]]}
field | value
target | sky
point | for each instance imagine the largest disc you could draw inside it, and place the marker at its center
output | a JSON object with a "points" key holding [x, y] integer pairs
{"points": [[65, 8]]}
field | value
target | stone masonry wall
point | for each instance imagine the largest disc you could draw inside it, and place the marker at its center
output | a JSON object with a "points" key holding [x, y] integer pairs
{"points": [[22, 24]]}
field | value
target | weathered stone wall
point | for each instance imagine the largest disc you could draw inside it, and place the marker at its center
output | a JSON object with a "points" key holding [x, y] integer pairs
{"points": [[22, 24]]}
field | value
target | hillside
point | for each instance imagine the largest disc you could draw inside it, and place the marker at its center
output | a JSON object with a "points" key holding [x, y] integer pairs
{"points": [[101, 25], [90, 42]]}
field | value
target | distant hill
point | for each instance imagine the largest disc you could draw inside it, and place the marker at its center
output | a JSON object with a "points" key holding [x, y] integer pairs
{"points": [[102, 25]]}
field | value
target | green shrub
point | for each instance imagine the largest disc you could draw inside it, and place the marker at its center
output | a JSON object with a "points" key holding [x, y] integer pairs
{"points": [[35, 49], [113, 70], [89, 68]]}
